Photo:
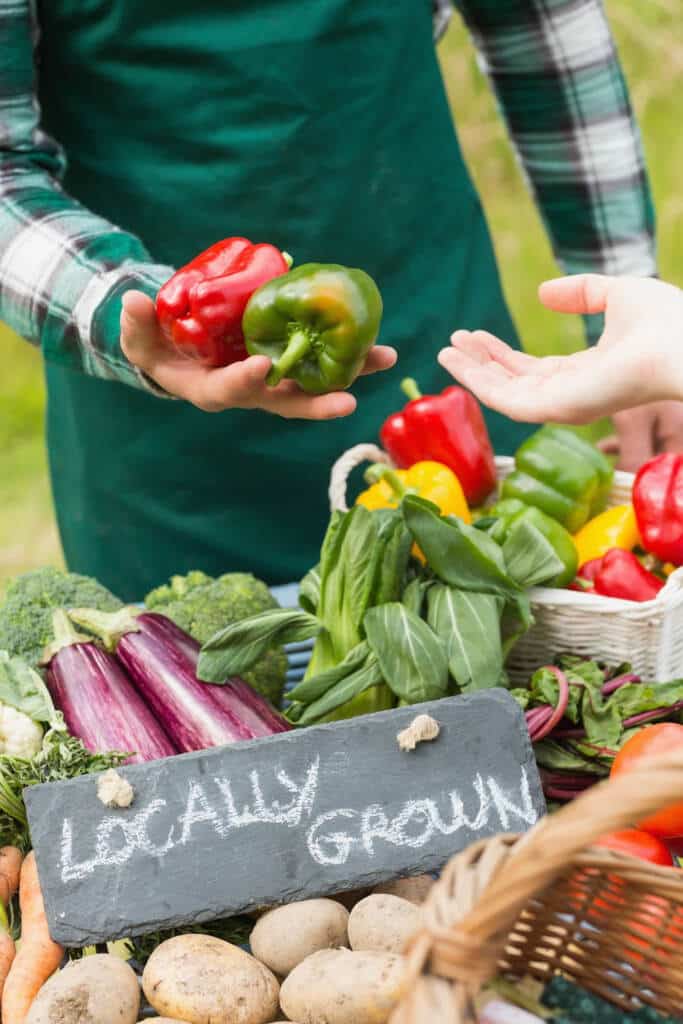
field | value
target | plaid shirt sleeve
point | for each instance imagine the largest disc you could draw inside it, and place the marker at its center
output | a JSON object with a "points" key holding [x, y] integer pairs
{"points": [[558, 80], [63, 269]]}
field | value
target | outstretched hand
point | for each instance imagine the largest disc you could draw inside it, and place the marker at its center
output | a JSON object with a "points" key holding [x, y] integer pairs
{"points": [[239, 386], [637, 360]]}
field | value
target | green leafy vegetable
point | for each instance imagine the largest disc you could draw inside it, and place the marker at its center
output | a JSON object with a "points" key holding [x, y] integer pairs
{"points": [[24, 690], [61, 757], [469, 626], [529, 557], [237, 647], [411, 657], [459, 555], [349, 684]]}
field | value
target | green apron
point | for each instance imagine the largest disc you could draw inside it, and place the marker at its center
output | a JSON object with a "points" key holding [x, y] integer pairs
{"points": [[319, 125]]}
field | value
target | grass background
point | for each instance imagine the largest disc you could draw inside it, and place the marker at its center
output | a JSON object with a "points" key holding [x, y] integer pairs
{"points": [[650, 37]]}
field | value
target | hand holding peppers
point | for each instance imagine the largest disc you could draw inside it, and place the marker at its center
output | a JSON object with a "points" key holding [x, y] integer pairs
{"points": [[200, 308], [242, 385]]}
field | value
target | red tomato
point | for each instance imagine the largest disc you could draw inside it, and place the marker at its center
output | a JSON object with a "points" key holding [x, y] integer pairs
{"points": [[638, 844], [652, 740]]}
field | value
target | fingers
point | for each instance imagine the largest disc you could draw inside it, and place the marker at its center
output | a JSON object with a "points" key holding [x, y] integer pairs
{"points": [[139, 329], [381, 357], [636, 437], [583, 293]]}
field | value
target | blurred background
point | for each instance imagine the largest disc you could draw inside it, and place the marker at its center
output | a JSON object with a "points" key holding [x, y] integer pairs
{"points": [[650, 36]]}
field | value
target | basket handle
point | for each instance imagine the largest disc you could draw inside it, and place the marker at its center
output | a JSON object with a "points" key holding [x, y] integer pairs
{"points": [[483, 890], [543, 853], [343, 468]]}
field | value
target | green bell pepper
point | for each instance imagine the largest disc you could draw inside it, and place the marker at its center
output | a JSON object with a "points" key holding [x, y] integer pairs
{"points": [[510, 512], [561, 474], [317, 324]]}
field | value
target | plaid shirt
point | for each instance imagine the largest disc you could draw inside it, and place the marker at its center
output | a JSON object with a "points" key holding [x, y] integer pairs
{"points": [[558, 81]]}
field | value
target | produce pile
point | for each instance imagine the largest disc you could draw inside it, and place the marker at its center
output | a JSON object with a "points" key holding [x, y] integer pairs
{"points": [[421, 592]]}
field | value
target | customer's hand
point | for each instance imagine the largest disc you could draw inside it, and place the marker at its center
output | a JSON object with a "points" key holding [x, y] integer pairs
{"points": [[240, 386], [638, 360]]}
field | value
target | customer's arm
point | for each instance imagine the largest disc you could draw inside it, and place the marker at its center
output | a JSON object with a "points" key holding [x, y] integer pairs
{"points": [[636, 361], [560, 86]]}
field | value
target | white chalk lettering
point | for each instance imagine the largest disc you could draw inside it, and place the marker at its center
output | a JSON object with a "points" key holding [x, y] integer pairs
{"points": [[197, 810], [133, 832], [413, 812], [339, 842], [505, 807]]}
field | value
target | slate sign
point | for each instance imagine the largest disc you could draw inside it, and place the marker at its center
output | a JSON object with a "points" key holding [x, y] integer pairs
{"points": [[307, 813]]}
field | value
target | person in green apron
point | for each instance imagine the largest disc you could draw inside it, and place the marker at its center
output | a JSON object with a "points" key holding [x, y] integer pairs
{"points": [[321, 126]]}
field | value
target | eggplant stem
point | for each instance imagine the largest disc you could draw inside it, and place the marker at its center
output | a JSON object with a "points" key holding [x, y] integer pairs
{"points": [[109, 627]]}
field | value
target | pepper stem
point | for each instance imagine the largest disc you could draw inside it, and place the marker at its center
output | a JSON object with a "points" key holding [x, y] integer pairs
{"points": [[64, 635], [378, 472], [297, 346], [410, 389], [288, 259], [109, 627]]}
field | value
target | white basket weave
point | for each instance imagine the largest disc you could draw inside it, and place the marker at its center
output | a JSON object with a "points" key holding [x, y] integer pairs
{"points": [[649, 634]]}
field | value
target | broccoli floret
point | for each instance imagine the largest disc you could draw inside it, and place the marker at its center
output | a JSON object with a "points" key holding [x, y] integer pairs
{"points": [[202, 606], [26, 611], [176, 589]]}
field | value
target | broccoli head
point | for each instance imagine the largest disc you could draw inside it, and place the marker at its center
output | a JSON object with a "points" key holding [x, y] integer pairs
{"points": [[202, 606], [29, 601]]}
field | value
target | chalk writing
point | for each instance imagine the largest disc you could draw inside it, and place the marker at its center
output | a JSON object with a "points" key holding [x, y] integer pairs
{"points": [[330, 837]]}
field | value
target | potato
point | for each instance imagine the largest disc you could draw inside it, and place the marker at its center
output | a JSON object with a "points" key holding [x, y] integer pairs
{"points": [[415, 890], [337, 986], [203, 980], [163, 1020], [383, 923], [284, 937], [99, 989]]}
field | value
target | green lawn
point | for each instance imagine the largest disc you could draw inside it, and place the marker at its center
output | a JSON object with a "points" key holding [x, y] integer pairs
{"points": [[651, 40]]}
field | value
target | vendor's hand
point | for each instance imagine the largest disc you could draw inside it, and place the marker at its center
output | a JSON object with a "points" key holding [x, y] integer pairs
{"points": [[638, 360], [240, 386]]}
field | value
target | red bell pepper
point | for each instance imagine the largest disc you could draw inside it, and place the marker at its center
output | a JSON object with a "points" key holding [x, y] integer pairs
{"points": [[200, 308], [658, 503], [585, 577], [448, 428], [620, 574]]}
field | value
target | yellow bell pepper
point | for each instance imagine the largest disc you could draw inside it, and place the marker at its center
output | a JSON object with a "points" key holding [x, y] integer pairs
{"points": [[615, 528], [430, 480]]}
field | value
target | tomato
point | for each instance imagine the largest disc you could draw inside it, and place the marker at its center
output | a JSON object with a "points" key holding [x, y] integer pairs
{"points": [[651, 740], [635, 843]]}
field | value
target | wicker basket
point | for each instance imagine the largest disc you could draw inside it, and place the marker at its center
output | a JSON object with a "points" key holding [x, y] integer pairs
{"points": [[547, 904], [648, 634]]}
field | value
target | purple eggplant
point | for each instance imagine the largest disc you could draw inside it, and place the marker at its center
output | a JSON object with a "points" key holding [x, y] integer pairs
{"points": [[99, 703], [161, 659]]}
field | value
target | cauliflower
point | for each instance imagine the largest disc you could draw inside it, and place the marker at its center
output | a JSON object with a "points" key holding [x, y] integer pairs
{"points": [[20, 736]]}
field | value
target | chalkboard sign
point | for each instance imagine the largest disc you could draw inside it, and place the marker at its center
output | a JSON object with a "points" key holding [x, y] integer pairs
{"points": [[307, 813]]}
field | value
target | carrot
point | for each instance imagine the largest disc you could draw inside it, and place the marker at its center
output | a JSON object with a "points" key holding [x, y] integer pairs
{"points": [[38, 956], [10, 868]]}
